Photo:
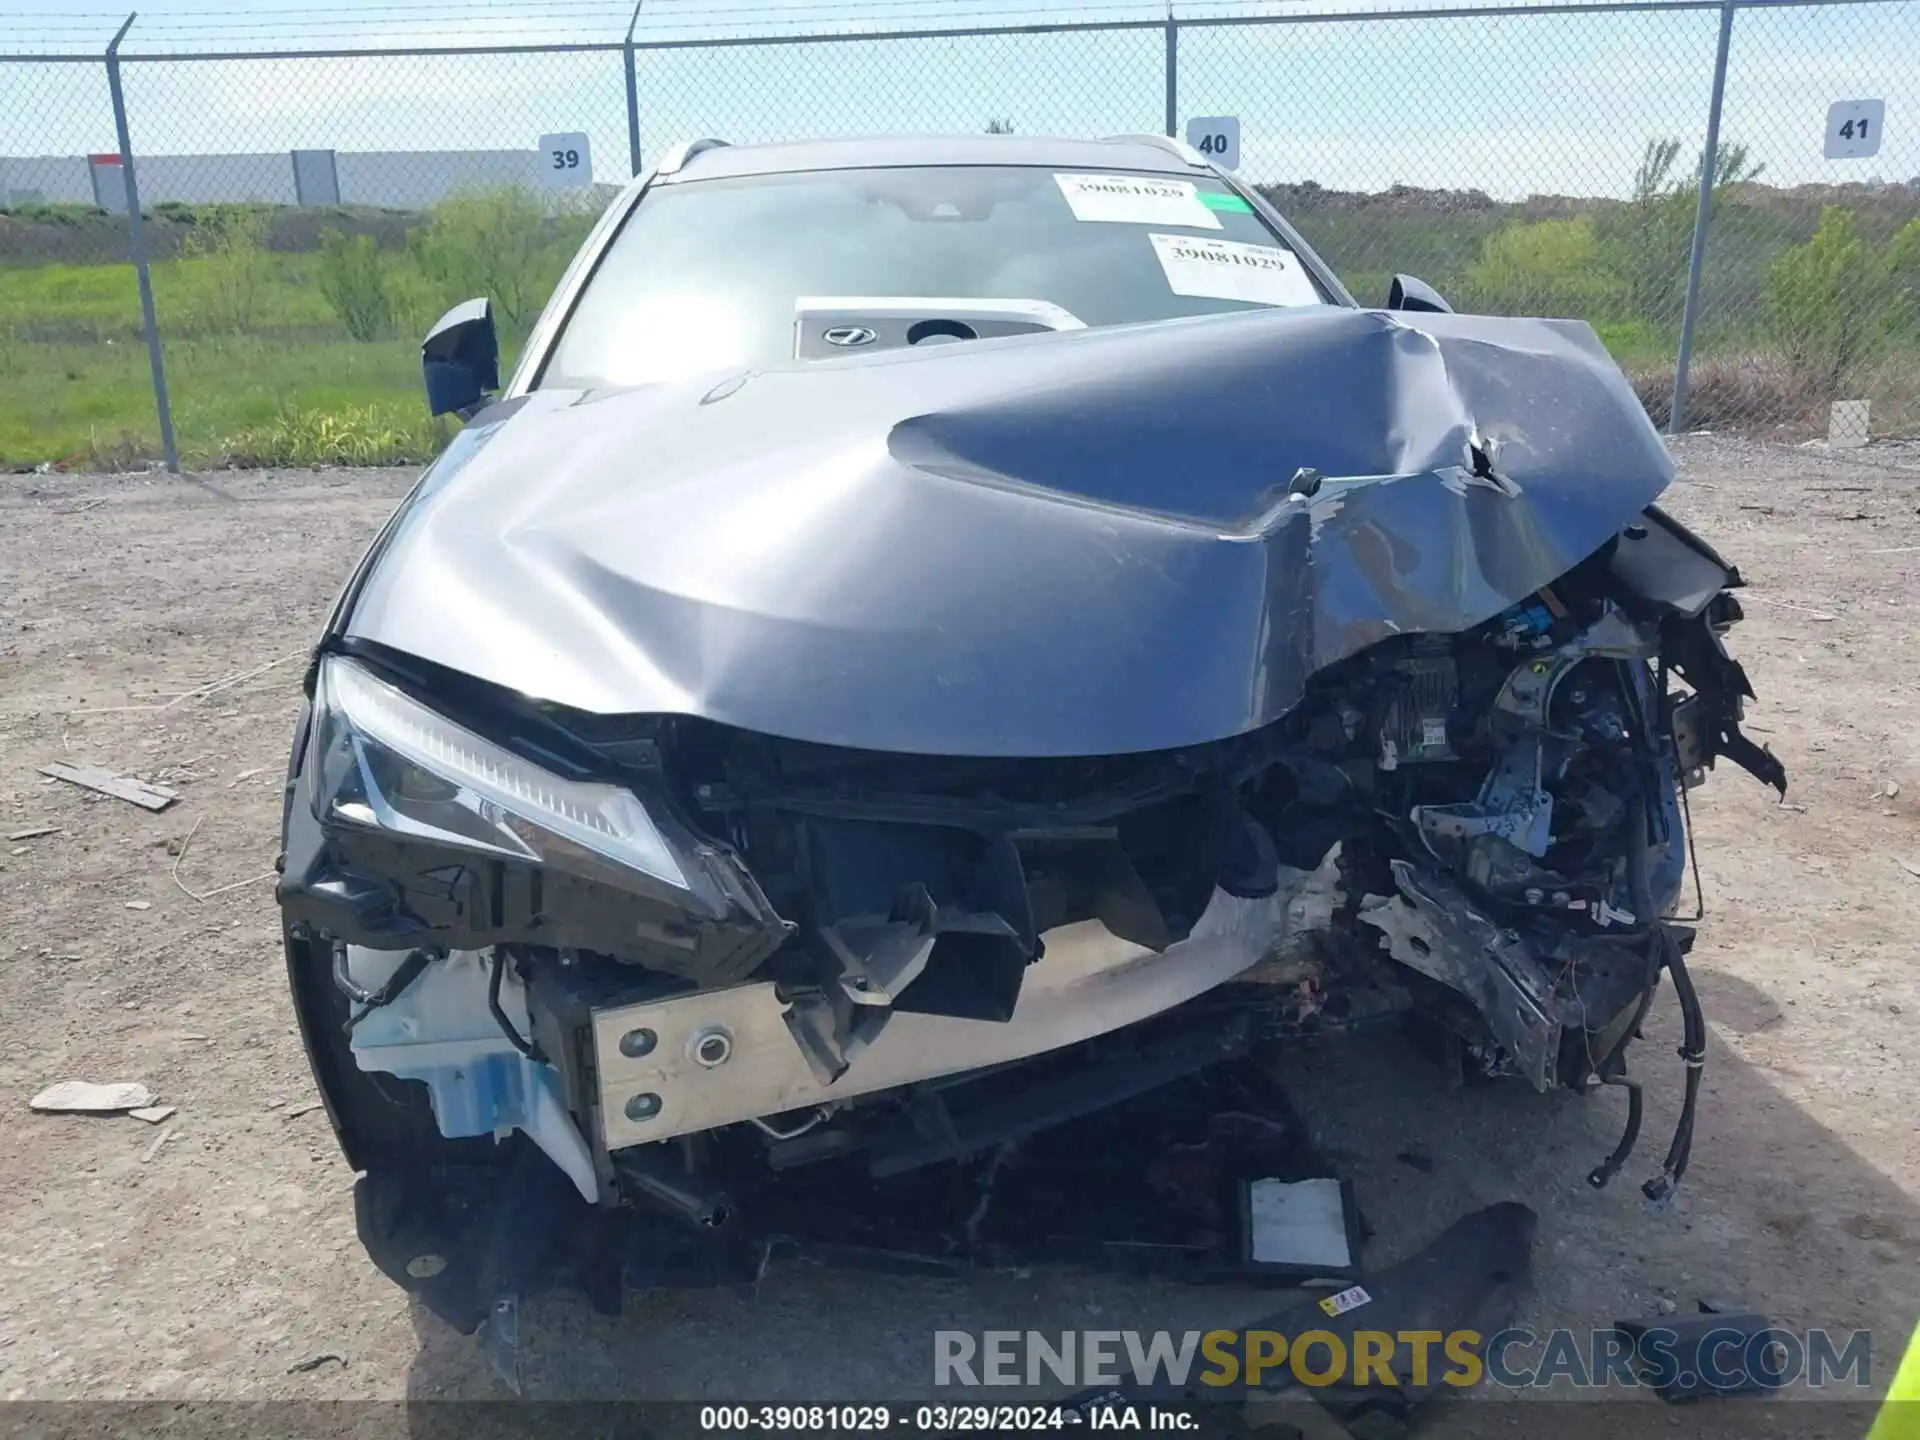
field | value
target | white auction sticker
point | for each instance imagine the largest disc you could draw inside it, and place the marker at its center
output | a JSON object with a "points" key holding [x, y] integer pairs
{"points": [[1136, 200], [1230, 270], [565, 161]]}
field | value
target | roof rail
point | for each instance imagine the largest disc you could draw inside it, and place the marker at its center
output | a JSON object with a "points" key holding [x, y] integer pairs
{"points": [[677, 156], [1177, 148]]}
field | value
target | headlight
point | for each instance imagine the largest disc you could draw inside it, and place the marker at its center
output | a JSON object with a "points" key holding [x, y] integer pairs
{"points": [[388, 762]]}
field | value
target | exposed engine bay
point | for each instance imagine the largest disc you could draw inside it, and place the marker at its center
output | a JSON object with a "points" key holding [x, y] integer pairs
{"points": [[622, 931]]}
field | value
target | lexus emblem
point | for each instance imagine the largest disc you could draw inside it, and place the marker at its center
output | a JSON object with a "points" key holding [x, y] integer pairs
{"points": [[850, 335]]}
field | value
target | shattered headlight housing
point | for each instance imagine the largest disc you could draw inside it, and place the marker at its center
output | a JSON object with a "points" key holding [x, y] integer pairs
{"points": [[387, 762]]}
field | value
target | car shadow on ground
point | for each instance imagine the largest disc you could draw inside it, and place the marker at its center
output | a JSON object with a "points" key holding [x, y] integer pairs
{"points": [[1766, 1179]]}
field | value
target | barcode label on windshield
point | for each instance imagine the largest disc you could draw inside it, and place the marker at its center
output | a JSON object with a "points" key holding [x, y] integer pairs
{"points": [[1230, 270], [1136, 200]]}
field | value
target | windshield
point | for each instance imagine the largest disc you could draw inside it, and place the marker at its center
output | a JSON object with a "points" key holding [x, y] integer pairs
{"points": [[706, 273]]}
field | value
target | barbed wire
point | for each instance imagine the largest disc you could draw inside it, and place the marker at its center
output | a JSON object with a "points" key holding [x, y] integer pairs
{"points": [[445, 24]]}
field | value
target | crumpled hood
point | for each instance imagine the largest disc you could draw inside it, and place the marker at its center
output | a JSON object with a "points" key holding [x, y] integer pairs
{"points": [[1070, 544]]}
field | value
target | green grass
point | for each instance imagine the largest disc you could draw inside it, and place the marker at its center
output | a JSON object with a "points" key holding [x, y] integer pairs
{"points": [[58, 212], [338, 435], [72, 403], [260, 367], [1636, 344], [97, 302], [74, 369]]}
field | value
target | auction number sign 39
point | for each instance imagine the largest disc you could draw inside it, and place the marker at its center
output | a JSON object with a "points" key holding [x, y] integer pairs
{"points": [[564, 161]]}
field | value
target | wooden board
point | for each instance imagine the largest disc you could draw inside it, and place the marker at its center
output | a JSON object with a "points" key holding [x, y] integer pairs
{"points": [[121, 787]]}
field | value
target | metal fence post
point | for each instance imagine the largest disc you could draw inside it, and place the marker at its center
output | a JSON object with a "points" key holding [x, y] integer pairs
{"points": [[633, 96], [137, 246], [1709, 160], [1173, 74]]}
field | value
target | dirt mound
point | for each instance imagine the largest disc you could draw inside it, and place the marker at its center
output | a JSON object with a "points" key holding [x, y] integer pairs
{"points": [[82, 235], [1311, 197]]}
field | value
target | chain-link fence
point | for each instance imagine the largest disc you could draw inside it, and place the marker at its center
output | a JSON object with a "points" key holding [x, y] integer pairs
{"points": [[74, 375], [374, 192], [1810, 291], [306, 213]]}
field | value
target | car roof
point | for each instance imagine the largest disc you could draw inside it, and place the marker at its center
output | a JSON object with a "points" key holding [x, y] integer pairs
{"points": [[1147, 153]]}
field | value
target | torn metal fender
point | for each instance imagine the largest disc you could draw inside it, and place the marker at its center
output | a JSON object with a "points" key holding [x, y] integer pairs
{"points": [[1071, 544]]}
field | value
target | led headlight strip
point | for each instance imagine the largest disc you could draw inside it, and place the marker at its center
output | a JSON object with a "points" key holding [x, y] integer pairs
{"points": [[605, 819]]}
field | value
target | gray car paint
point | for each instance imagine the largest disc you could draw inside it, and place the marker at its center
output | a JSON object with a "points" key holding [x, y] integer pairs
{"points": [[1145, 153], [1053, 545]]}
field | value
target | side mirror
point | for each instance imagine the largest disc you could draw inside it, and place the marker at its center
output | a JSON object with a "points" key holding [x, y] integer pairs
{"points": [[1409, 293], [460, 359]]}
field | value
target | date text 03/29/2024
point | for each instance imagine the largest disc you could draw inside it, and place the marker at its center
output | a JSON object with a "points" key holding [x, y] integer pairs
{"points": [[1113, 1414]]}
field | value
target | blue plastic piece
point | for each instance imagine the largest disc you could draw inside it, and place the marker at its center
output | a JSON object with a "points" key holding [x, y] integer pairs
{"points": [[484, 1095], [1525, 622]]}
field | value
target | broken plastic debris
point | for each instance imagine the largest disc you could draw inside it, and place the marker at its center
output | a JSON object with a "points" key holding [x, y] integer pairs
{"points": [[153, 1114], [106, 782], [85, 1097], [1352, 1298]]}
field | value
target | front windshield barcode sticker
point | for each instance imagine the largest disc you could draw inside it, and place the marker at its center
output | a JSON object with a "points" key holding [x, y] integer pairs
{"points": [[1229, 270], [1136, 200]]}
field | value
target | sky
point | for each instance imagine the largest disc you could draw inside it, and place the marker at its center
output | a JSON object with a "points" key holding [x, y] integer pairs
{"points": [[1510, 103]]}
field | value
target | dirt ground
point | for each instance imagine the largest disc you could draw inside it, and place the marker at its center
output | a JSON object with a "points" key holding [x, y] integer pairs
{"points": [[206, 1256]]}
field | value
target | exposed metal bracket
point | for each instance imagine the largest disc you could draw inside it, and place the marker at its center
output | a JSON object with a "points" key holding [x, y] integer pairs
{"points": [[1430, 927], [1513, 804]]}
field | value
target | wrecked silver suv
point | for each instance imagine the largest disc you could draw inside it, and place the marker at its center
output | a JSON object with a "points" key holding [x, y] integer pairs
{"points": [[923, 605]]}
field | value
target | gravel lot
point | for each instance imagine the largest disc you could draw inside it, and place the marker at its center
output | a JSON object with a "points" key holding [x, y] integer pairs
{"points": [[210, 1265]]}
